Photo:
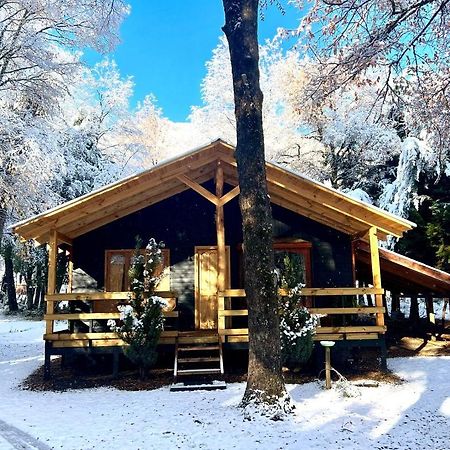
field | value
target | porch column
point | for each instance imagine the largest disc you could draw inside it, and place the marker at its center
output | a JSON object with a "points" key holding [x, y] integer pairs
{"points": [[220, 231], [70, 270], [376, 271], [51, 276]]}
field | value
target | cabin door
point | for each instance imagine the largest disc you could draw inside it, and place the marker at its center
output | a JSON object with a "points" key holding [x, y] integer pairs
{"points": [[206, 286]]}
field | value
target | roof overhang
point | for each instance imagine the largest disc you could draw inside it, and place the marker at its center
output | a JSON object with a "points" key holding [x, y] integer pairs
{"points": [[286, 188], [405, 274]]}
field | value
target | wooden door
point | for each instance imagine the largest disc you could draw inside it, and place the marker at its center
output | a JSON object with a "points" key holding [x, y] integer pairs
{"points": [[206, 286]]}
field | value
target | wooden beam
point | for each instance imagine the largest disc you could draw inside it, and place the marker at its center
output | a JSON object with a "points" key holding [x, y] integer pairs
{"points": [[331, 200], [316, 292], [221, 251], [82, 316], [229, 195], [70, 271], [51, 277], [199, 189], [360, 235], [95, 316], [62, 238], [233, 312], [357, 310], [76, 336], [376, 271], [104, 215], [351, 329], [280, 196], [92, 296], [115, 194]]}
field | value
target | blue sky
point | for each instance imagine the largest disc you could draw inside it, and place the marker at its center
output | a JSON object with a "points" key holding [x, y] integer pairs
{"points": [[165, 45]]}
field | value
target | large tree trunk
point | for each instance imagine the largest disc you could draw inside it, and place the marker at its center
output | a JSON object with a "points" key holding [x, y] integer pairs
{"points": [[265, 382]]}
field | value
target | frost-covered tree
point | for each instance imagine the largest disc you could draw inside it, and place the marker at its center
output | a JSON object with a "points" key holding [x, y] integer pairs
{"points": [[39, 41], [406, 41], [153, 137], [93, 131], [215, 118], [32, 32]]}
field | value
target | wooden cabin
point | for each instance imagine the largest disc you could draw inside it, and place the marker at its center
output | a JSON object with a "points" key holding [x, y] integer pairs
{"points": [[191, 203]]}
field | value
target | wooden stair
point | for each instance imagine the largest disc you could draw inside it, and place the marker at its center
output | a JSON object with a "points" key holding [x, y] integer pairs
{"points": [[196, 360]]}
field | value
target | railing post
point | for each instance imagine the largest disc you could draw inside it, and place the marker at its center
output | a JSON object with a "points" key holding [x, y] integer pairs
{"points": [[220, 308], [376, 271], [51, 277]]}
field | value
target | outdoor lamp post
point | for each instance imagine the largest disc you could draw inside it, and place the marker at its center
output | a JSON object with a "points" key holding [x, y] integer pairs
{"points": [[327, 345]]}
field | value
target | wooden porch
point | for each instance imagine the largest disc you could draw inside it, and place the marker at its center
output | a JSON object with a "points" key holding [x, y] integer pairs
{"points": [[230, 334]]}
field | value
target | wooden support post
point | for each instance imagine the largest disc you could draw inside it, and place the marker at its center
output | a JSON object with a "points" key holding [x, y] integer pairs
{"points": [[70, 271], [354, 262], [116, 357], [414, 310], [51, 277], [220, 231], [395, 304], [384, 354], [376, 271], [431, 317], [327, 368], [444, 311], [221, 324]]}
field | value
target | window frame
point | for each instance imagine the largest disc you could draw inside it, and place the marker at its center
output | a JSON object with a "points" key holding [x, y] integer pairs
{"points": [[128, 254]]}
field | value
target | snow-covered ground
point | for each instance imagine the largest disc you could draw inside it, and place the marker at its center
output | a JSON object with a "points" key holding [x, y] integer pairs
{"points": [[412, 415]]}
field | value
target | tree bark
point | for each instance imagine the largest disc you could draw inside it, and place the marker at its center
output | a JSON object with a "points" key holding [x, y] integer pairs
{"points": [[265, 383], [9, 282]]}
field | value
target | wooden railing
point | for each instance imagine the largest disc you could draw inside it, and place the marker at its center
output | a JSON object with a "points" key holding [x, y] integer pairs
{"points": [[225, 310], [81, 339]]}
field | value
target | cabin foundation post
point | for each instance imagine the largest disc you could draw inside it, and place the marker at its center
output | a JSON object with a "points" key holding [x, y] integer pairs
{"points": [[431, 317], [116, 357], [376, 271], [444, 311]]}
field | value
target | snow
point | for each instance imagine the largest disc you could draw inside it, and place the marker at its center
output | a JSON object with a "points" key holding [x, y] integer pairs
{"points": [[411, 415]]}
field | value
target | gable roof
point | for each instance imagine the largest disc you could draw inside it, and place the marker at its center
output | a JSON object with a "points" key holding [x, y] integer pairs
{"points": [[286, 188]]}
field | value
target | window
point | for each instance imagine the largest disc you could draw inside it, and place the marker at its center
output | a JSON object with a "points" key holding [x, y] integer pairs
{"points": [[297, 252], [117, 265], [293, 262]]}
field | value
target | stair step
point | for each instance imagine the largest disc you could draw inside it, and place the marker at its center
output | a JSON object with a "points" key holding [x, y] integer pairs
{"points": [[198, 360], [198, 348], [197, 371], [196, 387], [198, 340]]}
